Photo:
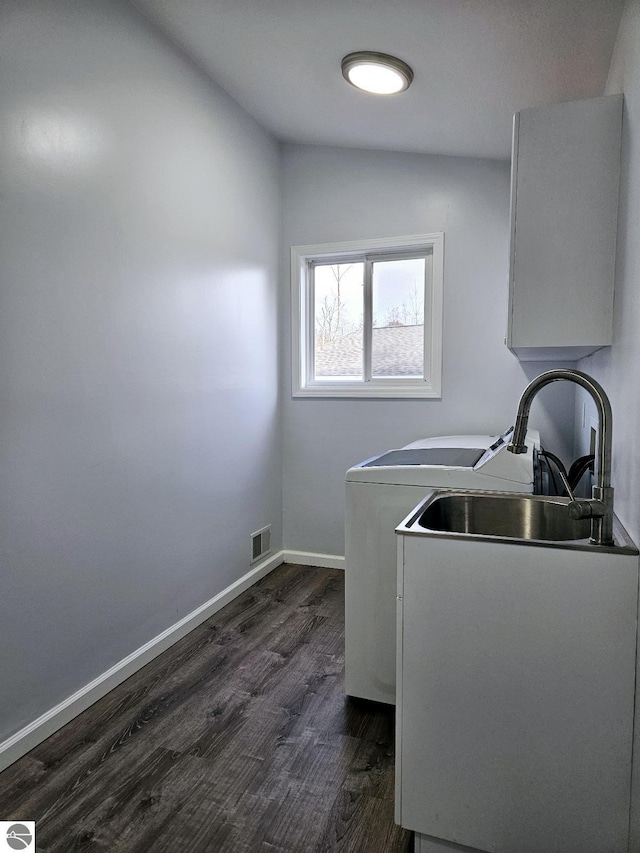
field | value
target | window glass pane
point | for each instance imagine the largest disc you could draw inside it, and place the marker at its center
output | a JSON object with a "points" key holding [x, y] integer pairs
{"points": [[397, 347], [338, 311]]}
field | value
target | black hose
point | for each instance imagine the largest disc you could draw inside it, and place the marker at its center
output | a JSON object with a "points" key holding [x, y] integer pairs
{"points": [[579, 467]]}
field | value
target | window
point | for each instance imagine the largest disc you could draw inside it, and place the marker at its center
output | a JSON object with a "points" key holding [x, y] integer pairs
{"points": [[367, 318]]}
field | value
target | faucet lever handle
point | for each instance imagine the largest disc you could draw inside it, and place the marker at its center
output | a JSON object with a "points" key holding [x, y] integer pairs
{"points": [[586, 509]]}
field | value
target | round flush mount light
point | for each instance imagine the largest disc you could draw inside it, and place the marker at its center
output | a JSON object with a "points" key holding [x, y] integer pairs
{"points": [[377, 73]]}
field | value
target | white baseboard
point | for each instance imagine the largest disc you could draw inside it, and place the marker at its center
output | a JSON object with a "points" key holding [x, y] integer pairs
{"points": [[307, 558], [35, 732]]}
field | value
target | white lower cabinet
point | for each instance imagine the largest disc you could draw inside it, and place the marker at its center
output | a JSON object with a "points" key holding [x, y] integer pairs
{"points": [[516, 681]]}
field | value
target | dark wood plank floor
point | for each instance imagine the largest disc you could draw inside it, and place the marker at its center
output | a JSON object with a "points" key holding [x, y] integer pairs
{"points": [[239, 738]]}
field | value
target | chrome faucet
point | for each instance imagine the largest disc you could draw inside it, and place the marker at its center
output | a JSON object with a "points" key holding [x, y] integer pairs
{"points": [[600, 507]]}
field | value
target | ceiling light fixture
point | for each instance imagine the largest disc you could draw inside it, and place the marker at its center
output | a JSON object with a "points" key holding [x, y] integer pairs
{"points": [[377, 73]]}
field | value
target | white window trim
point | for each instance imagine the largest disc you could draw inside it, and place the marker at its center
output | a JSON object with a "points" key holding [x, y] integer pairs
{"points": [[301, 337]]}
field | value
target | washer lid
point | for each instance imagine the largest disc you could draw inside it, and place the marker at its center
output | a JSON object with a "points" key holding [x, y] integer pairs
{"points": [[451, 457]]}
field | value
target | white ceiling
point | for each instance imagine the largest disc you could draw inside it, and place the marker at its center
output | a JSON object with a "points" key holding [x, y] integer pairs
{"points": [[475, 62]]}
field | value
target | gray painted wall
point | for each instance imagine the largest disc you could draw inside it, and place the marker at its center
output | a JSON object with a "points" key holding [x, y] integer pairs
{"points": [[139, 218], [617, 367], [333, 194]]}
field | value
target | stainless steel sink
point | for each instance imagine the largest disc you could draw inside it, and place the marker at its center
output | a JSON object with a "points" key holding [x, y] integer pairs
{"points": [[514, 516], [510, 517]]}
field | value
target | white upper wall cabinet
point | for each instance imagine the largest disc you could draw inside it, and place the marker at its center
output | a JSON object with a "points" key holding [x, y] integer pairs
{"points": [[564, 202]]}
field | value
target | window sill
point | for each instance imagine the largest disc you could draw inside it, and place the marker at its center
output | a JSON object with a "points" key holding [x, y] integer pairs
{"points": [[420, 390]]}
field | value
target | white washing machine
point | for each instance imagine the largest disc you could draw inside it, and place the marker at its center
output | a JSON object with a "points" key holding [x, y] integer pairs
{"points": [[380, 492]]}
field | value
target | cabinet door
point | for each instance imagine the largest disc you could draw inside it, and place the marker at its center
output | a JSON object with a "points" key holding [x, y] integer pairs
{"points": [[516, 696], [565, 176]]}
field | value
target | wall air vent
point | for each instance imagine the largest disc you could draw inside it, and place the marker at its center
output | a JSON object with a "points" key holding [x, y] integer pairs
{"points": [[260, 543]]}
